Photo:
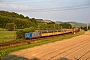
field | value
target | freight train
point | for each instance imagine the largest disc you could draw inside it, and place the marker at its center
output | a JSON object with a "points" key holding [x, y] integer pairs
{"points": [[45, 33]]}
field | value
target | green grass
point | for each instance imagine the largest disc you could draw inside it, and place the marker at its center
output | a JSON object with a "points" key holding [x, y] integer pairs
{"points": [[1, 29], [41, 42], [89, 30], [7, 36]]}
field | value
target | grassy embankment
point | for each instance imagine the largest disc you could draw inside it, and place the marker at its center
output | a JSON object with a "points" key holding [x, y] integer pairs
{"points": [[41, 42], [7, 36]]}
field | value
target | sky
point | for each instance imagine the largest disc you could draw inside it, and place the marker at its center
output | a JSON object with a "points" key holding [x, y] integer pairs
{"points": [[55, 10]]}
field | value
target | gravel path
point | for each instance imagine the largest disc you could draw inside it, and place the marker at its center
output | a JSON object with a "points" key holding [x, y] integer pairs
{"points": [[76, 48]]}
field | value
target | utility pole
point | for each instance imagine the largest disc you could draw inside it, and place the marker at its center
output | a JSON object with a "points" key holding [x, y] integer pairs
{"points": [[87, 26], [54, 26], [61, 27]]}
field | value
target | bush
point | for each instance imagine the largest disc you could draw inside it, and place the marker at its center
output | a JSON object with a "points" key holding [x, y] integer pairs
{"points": [[10, 27], [21, 33], [1, 54], [31, 29], [85, 29]]}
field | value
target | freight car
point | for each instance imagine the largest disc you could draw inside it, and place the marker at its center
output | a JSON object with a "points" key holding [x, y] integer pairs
{"points": [[44, 33]]}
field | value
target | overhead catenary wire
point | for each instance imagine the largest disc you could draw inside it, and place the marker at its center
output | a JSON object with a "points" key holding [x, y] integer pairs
{"points": [[27, 1], [74, 7]]}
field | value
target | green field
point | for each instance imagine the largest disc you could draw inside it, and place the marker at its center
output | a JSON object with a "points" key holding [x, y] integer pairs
{"points": [[7, 36]]}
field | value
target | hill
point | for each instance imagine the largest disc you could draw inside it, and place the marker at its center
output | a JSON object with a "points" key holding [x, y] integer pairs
{"points": [[18, 19], [76, 24]]}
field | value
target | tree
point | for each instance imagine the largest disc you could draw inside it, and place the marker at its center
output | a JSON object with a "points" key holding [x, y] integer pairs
{"points": [[27, 17], [51, 23], [21, 16], [31, 29], [66, 25]]}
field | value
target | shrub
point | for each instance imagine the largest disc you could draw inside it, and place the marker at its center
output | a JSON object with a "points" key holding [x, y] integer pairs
{"points": [[85, 29], [2, 53], [31, 29], [34, 59], [10, 26], [20, 34]]}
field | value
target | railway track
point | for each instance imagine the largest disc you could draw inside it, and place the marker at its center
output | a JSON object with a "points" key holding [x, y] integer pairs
{"points": [[29, 41]]}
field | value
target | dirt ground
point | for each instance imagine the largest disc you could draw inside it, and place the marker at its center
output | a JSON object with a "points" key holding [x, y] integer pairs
{"points": [[76, 48]]}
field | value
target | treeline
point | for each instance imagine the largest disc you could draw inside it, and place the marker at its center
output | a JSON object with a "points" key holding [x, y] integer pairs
{"points": [[86, 28], [53, 26], [12, 21], [18, 19], [12, 15]]}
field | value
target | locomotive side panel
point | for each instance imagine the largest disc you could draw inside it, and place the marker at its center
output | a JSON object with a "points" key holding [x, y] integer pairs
{"points": [[36, 34], [28, 35]]}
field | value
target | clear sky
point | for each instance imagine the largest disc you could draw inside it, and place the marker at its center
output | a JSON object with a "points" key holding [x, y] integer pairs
{"points": [[55, 10]]}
